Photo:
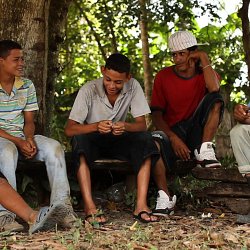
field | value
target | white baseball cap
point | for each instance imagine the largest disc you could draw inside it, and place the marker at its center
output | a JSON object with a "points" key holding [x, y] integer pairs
{"points": [[181, 40]]}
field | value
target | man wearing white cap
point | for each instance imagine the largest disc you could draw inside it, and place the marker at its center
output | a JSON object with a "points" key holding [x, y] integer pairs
{"points": [[186, 109]]}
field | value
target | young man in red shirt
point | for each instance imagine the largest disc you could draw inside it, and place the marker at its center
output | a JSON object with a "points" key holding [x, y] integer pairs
{"points": [[186, 110]]}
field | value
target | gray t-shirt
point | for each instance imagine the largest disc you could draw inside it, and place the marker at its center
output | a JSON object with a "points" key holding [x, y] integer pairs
{"points": [[92, 105]]}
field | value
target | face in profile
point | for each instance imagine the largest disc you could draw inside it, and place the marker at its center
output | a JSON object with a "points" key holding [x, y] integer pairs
{"points": [[13, 64]]}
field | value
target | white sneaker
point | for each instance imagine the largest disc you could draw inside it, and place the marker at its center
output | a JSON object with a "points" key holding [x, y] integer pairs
{"points": [[49, 217], [205, 156], [164, 205], [8, 223]]}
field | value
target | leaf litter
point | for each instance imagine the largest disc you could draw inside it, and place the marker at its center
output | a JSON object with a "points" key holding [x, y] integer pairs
{"points": [[178, 231]]}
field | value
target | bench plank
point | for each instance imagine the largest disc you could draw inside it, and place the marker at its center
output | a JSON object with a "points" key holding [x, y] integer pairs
{"points": [[228, 189], [219, 174]]}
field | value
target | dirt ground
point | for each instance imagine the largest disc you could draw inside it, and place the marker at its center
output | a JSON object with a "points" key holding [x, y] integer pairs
{"points": [[212, 228]]}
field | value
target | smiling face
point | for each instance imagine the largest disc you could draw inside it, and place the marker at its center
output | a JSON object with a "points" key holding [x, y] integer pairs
{"points": [[13, 64], [114, 81]]}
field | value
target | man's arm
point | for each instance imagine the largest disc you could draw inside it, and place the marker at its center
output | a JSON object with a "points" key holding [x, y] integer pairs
{"points": [[211, 77], [27, 147], [30, 149], [29, 125], [241, 114], [74, 128], [14, 139], [179, 147]]}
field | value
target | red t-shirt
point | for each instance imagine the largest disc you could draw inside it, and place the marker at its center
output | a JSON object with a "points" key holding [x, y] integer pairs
{"points": [[177, 97]]}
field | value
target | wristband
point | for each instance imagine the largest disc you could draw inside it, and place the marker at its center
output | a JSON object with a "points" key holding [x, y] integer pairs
{"points": [[209, 65]]}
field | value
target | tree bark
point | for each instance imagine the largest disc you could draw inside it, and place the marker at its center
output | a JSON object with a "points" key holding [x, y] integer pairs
{"points": [[37, 25], [243, 14], [148, 76]]}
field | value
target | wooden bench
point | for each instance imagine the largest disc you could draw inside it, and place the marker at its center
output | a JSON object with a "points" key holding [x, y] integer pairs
{"points": [[37, 171], [229, 188]]}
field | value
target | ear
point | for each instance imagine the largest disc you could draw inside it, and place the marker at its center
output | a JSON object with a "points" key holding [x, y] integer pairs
{"points": [[103, 69], [129, 76]]}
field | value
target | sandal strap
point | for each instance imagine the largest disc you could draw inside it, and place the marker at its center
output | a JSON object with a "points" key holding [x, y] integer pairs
{"points": [[98, 215]]}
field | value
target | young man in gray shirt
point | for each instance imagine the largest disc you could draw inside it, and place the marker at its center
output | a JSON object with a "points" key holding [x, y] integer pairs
{"points": [[99, 129]]}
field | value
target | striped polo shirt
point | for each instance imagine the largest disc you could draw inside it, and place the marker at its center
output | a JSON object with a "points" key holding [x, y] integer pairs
{"points": [[22, 98]]}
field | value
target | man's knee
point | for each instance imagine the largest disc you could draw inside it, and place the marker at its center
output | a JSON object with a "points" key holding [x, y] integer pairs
{"points": [[239, 131], [8, 155]]}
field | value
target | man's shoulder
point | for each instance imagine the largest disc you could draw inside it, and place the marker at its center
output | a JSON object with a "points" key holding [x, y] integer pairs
{"points": [[165, 70], [24, 82], [92, 84]]}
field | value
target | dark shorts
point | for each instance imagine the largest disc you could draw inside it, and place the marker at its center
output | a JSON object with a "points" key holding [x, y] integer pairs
{"points": [[190, 131], [133, 147]]}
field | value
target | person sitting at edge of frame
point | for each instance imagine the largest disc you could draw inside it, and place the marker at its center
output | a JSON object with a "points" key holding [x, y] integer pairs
{"points": [[98, 127], [13, 202], [240, 140], [186, 110], [18, 102]]}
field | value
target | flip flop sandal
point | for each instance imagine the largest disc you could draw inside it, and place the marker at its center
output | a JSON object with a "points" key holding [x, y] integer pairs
{"points": [[93, 217], [139, 217]]}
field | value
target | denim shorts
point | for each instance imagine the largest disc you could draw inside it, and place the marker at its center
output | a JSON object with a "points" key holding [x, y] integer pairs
{"points": [[190, 130], [133, 147]]}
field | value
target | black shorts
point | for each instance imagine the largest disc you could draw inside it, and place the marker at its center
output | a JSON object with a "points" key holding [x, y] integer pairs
{"points": [[190, 130], [133, 147]]}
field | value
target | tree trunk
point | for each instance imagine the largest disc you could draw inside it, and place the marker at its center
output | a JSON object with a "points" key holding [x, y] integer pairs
{"points": [[37, 25], [148, 76], [243, 14]]}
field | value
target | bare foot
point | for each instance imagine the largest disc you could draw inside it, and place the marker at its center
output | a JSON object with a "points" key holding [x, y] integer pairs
{"points": [[95, 216], [147, 215]]}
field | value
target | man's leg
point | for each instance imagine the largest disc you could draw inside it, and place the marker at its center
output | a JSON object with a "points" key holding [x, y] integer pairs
{"points": [[142, 190], [212, 123], [164, 203], [8, 164], [11, 200], [84, 180], [51, 152], [240, 140], [159, 174], [205, 122]]}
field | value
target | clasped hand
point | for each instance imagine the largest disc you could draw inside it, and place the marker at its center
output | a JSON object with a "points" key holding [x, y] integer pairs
{"points": [[27, 147], [107, 126]]}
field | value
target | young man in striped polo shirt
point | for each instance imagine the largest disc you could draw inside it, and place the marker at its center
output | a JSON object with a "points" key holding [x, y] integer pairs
{"points": [[18, 104]]}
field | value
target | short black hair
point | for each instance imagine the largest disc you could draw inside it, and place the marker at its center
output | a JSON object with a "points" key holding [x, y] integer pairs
{"points": [[118, 62], [6, 46], [193, 48]]}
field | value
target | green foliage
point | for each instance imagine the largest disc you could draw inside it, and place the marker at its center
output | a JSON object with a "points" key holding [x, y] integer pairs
{"points": [[130, 198], [95, 29]]}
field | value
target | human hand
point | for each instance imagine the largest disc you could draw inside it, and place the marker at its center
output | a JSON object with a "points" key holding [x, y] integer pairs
{"points": [[118, 128], [196, 56], [27, 148], [32, 143], [241, 113], [180, 148], [105, 126]]}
